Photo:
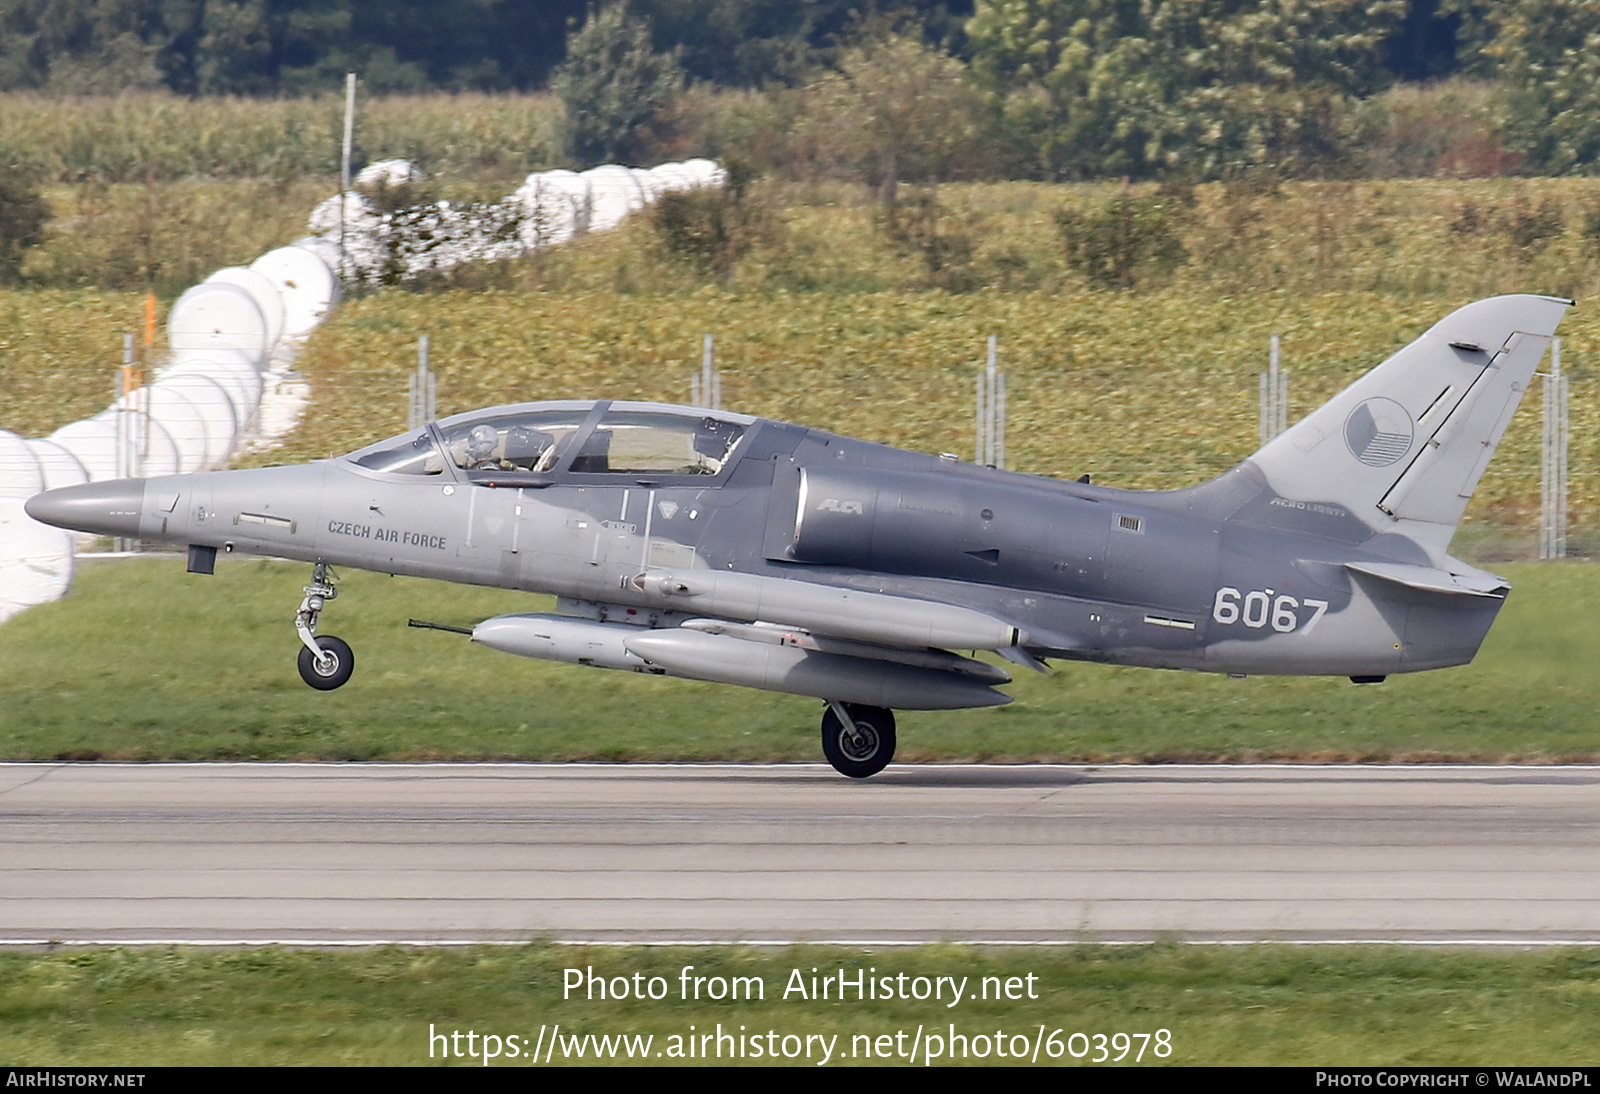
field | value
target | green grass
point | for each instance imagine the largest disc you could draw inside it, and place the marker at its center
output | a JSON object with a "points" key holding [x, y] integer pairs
{"points": [[136, 137], [1261, 1005], [59, 352], [144, 662], [168, 237]]}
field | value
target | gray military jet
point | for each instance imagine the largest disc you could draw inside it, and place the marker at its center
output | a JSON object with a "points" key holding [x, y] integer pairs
{"points": [[721, 547]]}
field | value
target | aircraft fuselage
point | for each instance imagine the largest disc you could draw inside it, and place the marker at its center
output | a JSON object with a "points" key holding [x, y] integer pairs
{"points": [[1090, 573], [722, 547]]}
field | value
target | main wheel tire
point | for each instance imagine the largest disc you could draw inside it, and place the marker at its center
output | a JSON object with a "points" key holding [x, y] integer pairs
{"points": [[865, 754], [323, 674]]}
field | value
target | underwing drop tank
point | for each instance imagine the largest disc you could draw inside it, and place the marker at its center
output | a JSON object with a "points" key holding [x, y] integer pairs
{"points": [[720, 658]]}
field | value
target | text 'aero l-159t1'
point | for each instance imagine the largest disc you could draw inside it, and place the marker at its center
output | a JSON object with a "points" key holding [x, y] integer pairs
{"points": [[745, 551]]}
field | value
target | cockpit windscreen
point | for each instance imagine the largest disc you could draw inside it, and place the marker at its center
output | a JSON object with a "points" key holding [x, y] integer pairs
{"points": [[658, 443]]}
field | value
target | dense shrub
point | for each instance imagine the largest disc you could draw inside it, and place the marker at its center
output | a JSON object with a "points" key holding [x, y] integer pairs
{"points": [[23, 213], [1127, 240], [614, 86], [713, 227], [1548, 54]]}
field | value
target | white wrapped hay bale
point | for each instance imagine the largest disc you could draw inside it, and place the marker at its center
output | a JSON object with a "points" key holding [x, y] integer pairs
{"points": [[613, 194], [323, 247], [263, 291], [215, 407], [183, 421], [388, 175], [93, 443], [309, 289], [673, 178], [705, 172], [230, 370], [218, 315], [550, 212], [20, 473], [35, 560], [59, 467]]}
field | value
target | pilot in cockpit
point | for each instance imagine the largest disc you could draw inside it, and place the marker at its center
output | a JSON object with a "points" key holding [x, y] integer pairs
{"points": [[714, 440], [482, 441], [517, 449]]}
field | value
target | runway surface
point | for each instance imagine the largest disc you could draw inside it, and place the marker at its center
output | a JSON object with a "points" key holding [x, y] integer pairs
{"points": [[358, 852]]}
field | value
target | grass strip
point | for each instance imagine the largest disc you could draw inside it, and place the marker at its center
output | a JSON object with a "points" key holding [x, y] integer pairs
{"points": [[142, 661], [1254, 1005]]}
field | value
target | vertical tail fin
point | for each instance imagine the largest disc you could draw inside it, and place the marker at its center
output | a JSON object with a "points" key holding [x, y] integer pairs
{"points": [[1403, 448]]}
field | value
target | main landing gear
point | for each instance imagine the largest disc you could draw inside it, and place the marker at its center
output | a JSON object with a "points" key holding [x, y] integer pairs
{"points": [[326, 662], [858, 740]]}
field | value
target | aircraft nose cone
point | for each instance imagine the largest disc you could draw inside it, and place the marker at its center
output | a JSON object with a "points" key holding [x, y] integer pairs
{"points": [[107, 508]]}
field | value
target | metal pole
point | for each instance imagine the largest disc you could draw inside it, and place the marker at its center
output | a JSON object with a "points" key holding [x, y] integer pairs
{"points": [[1000, 426], [1554, 439], [1561, 421], [424, 403], [1566, 437], [1546, 454], [991, 402], [431, 393], [1544, 467], [130, 401], [344, 163], [708, 369], [117, 400], [127, 453], [133, 390], [118, 544], [1261, 409], [349, 127], [977, 434], [1272, 387], [1272, 392]]}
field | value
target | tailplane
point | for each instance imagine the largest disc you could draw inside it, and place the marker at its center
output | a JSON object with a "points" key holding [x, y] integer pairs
{"points": [[1402, 448]]}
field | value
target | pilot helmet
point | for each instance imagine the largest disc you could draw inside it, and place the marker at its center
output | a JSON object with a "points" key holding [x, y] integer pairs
{"points": [[481, 442]]}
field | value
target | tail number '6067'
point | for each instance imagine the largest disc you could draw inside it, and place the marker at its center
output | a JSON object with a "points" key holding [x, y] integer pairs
{"points": [[1262, 607]]}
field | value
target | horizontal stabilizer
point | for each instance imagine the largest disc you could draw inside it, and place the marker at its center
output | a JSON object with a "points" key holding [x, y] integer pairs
{"points": [[1471, 582]]}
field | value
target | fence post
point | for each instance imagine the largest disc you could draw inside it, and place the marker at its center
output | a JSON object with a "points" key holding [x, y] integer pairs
{"points": [[989, 447]]}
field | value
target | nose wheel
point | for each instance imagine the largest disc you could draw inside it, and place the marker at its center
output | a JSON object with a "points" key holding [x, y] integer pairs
{"points": [[858, 740], [332, 668], [325, 662]]}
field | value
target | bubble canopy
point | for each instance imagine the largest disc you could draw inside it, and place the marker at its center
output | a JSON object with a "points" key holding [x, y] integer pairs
{"points": [[592, 442]]}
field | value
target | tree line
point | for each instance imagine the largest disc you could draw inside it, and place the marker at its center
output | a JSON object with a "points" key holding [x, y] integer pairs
{"points": [[1188, 90], [253, 47], [920, 89], [256, 47]]}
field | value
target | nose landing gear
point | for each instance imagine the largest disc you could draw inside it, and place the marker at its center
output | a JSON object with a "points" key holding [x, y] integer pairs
{"points": [[858, 740], [326, 662]]}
